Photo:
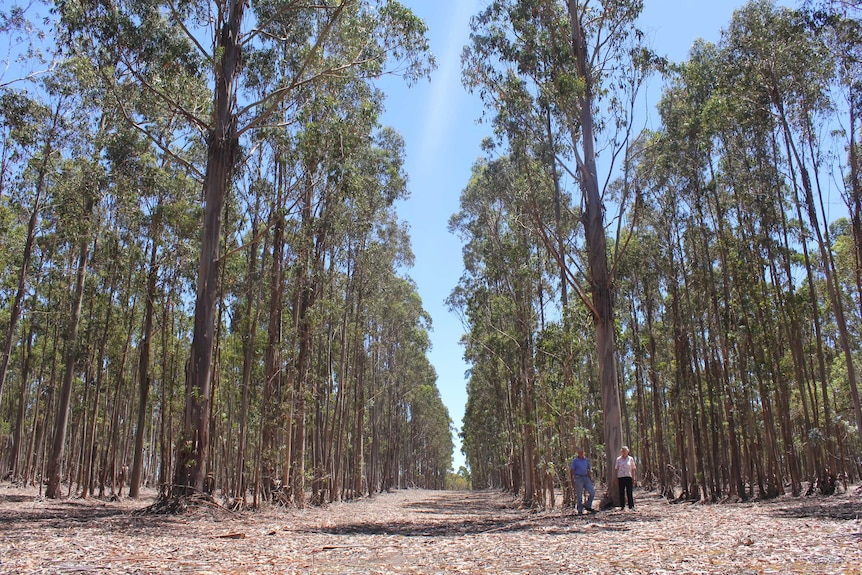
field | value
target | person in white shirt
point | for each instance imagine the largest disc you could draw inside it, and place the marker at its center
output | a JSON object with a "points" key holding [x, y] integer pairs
{"points": [[626, 468]]}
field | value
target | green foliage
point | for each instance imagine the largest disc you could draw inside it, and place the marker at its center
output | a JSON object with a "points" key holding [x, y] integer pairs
{"points": [[459, 481], [725, 318]]}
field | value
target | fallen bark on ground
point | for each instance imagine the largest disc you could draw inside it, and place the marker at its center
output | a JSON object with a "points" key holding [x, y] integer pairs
{"points": [[427, 532]]}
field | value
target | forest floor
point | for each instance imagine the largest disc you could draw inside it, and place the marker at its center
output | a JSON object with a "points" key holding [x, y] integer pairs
{"points": [[435, 533]]}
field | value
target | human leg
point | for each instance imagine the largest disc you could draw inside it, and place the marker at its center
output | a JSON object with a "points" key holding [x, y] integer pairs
{"points": [[591, 492], [622, 491], [626, 495], [579, 492]]}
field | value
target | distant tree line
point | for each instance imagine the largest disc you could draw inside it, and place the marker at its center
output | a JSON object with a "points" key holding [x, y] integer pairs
{"points": [[202, 273], [733, 261]]}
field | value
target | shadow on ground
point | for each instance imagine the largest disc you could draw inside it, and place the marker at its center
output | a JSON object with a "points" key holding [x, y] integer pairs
{"points": [[76, 514], [486, 514], [481, 503], [822, 508]]}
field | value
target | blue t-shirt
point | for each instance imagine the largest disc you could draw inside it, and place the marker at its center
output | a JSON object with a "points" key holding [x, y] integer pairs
{"points": [[580, 466]]}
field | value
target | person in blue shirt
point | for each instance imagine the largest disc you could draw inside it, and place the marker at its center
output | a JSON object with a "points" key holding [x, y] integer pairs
{"points": [[580, 472]]}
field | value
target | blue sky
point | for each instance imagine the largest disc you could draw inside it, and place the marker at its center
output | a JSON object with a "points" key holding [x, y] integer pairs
{"points": [[438, 122]]}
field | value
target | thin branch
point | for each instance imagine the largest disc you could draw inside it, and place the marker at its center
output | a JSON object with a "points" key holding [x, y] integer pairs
{"points": [[264, 25], [548, 241], [202, 126], [191, 37], [188, 165], [278, 96], [154, 139], [29, 77]]}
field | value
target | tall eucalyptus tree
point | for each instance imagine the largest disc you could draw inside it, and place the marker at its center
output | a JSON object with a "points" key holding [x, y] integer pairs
{"points": [[84, 184], [791, 69], [499, 295], [23, 117], [213, 41], [574, 59], [842, 33]]}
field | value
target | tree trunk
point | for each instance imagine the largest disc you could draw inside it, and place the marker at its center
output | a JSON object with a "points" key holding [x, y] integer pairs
{"points": [[827, 263], [657, 404], [52, 491], [143, 369], [37, 426], [194, 444], [15, 310], [248, 356], [164, 409], [643, 429], [42, 432], [92, 450], [598, 270], [18, 436], [271, 408]]}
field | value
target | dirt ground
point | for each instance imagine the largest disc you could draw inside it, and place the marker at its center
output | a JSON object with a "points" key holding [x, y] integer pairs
{"points": [[434, 533]]}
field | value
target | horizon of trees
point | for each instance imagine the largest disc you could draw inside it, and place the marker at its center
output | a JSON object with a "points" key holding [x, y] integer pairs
{"points": [[736, 294], [684, 291], [115, 215]]}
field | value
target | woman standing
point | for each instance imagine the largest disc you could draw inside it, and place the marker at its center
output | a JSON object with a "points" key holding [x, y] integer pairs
{"points": [[626, 468]]}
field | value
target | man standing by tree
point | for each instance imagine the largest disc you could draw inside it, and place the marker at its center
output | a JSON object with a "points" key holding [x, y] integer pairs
{"points": [[580, 472]]}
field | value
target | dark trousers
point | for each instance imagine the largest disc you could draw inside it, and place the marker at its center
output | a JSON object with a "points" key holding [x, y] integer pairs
{"points": [[626, 494]]}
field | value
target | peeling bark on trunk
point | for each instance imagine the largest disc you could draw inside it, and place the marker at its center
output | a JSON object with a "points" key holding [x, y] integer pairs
{"points": [[194, 443], [599, 272]]}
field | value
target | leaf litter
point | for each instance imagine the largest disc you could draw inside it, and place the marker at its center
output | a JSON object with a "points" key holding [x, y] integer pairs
{"points": [[433, 533]]}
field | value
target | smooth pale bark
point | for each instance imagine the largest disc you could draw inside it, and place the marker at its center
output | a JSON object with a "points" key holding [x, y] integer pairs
{"points": [[599, 271]]}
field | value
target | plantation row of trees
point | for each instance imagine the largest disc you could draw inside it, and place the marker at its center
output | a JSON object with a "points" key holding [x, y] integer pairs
{"points": [[201, 269], [694, 291]]}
